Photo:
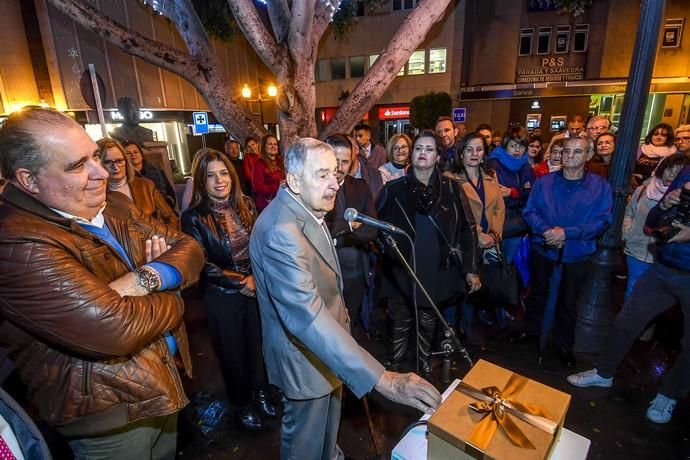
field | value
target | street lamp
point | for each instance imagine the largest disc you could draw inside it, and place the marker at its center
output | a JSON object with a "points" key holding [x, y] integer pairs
{"points": [[271, 90]]}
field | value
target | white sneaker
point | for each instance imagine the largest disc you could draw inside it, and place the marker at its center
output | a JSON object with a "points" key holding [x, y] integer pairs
{"points": [[661, 409], [590, 378]]}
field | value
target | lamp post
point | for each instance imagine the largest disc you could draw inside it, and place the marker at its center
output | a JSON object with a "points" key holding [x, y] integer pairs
{"points": [[595, 314], [271, 90]]}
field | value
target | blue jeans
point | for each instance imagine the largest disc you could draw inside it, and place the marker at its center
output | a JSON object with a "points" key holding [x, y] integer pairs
{"points": [[636, 268], [510, 247]]}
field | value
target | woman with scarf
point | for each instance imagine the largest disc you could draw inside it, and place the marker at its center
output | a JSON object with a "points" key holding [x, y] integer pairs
{"points": [[637, 245], [220, 217], [515, 177], [657, 145], [268, 172], [435, 213]]}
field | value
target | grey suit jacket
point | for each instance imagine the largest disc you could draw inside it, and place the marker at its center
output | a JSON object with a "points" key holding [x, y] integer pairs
{"points": [[307, 344]]}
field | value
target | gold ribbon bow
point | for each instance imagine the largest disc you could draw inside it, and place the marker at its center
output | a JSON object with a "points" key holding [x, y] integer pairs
{"points": [[497, 405]]}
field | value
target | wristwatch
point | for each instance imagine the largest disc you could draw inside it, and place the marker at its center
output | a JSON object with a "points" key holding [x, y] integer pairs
{"points": [[148, 278]]}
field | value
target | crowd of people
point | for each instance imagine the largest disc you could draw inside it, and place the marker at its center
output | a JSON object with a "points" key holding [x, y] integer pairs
{"points": [[95, 248]]}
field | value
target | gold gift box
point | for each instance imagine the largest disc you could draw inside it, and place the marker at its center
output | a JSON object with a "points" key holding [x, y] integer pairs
{"points": [[454, 430]]}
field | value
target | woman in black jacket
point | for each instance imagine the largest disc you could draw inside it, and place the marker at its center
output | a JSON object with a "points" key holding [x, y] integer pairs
{"points": [[434, 211], [220, 217]]}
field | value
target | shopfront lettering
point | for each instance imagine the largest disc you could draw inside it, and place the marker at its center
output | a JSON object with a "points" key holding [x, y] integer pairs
{"points": [[550, 73]]}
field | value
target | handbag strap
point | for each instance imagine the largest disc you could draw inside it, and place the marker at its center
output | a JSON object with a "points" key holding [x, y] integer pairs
{"points": [[453, 250]]}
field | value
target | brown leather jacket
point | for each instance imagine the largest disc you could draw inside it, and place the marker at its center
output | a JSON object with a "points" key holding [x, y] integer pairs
{"points": [[91, 359], [149, 201]]}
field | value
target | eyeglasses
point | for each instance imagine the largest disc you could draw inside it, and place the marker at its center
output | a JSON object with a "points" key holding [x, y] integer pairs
{"points": [[684, 139], [119, 162]]}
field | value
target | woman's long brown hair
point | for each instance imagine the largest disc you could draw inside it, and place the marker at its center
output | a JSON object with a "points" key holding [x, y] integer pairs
{"points": [[242, 204], [274, 164]]}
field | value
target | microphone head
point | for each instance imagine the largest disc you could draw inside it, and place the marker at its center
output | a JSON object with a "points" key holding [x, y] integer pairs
{"points": [[350, 214]]}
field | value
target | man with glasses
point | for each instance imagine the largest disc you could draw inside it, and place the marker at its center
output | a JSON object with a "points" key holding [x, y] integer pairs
{"points": [[682, 139], [597, 125]]}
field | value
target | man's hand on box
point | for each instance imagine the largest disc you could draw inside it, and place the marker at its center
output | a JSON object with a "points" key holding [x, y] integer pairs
{"points": [[409, 389]]}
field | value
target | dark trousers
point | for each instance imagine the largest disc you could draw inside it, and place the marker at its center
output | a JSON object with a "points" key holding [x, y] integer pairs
{"points": [[310, 428], [573, 278], [234, 326], [353, 294], [657, 290], [148, 439]]}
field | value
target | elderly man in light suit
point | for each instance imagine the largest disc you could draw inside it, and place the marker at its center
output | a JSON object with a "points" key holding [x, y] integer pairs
{"points": [[308, 348]]}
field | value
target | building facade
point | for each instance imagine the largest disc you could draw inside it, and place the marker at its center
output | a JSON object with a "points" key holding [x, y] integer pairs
{"points": [[540, 65], [49, 60]]}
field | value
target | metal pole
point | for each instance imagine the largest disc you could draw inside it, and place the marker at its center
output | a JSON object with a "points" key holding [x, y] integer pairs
{"points": [[97, 97], [595, 314]]}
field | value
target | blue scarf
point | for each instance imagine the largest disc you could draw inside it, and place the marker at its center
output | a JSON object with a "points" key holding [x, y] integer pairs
{"points": [[508, 160]]}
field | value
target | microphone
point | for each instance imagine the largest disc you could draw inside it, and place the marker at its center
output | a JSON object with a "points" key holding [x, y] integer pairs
{"points": [[351, 215]]}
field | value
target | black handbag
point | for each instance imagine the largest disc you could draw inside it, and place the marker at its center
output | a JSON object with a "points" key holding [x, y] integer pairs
{"points": [[500, 284]]}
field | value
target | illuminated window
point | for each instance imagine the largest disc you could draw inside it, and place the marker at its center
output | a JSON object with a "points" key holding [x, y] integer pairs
{"points": [[526, 41], [374, 57], [415, 65], [437, 60]]}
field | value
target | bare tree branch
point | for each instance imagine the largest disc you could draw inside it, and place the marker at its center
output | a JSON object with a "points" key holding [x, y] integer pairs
{"points": [[300, 29], [279, 14], [322, 18], [254, 30], [191, 29], [411, 33]]}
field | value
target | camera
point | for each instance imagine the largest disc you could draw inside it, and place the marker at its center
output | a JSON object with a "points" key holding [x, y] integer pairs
{"points": [[679, 214]]}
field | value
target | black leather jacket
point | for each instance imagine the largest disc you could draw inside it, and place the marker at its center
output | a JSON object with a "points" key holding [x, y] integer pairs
{"points": [[221, 272]]}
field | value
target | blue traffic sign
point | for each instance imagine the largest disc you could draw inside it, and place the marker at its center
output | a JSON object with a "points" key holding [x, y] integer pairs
{"points": [[459, 114], [200, 122]]}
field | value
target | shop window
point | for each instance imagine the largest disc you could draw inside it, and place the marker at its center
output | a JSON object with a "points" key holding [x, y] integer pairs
{"points": [[581, 38], [338, 68], [544, 40], [562, 39], [404, 4], [321, 71], [357, 66], [437, 60], [526, 41]]}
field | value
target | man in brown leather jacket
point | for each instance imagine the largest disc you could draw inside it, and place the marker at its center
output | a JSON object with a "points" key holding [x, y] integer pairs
{"points": [[89, 308]]}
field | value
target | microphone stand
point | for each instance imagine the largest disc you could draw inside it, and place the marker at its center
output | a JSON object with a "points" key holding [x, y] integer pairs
{"points": [[451, 342]]}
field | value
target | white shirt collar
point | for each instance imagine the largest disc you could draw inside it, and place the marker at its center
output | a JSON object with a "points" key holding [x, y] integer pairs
{"points": [[296, 198], [97, 221]]}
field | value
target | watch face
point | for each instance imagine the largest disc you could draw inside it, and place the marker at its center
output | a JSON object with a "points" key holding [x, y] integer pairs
{"points": [[148, 278]]}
